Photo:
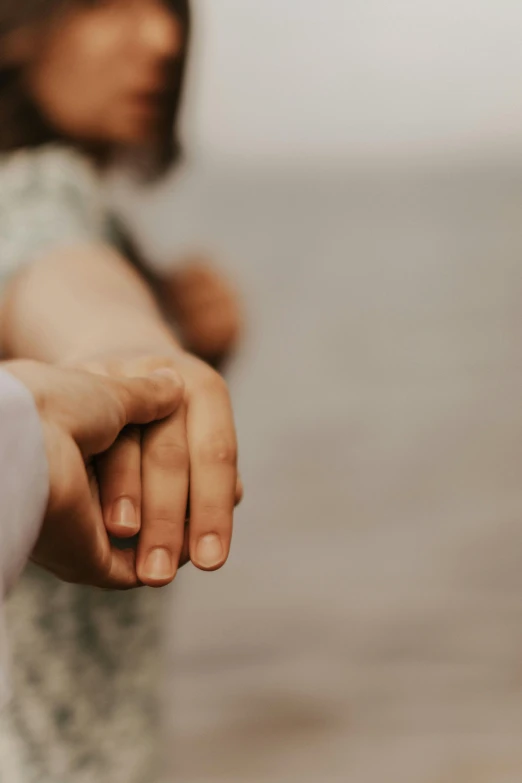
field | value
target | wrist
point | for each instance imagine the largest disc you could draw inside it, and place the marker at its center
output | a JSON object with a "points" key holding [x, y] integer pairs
{"points": [[125, 344]]}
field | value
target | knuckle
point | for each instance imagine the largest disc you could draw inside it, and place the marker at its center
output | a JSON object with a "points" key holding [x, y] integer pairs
{"points": [[168, 455], [153, 362], [219, 451], [160, 517]]}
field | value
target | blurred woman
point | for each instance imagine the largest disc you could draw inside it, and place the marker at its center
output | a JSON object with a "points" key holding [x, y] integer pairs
{"points": [[81, 83]]}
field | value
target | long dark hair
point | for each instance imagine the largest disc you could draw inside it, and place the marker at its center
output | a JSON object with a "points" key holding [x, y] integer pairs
{"points": [[21, 123]]}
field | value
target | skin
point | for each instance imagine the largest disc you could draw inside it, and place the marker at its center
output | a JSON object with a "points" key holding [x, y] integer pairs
{"points": [[82, 415], [98, 75], [207, 310], [62, 310]]}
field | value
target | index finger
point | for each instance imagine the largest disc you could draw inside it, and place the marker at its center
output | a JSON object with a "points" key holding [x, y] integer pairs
{"points": [[127, 401]]}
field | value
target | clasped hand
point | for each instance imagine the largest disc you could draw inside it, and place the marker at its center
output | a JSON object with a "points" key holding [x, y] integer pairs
{"points": [[174, 481]]}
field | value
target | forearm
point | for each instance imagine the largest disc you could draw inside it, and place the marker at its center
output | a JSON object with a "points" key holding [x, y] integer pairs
{"points": [[80, 302]]}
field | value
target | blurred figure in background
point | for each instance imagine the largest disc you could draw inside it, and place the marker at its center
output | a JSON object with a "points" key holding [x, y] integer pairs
{"points": [[82, 84], [106, 81]]}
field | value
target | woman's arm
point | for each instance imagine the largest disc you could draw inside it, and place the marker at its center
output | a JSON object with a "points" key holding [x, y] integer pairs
{"points": [[81, 301], [84, 303]]}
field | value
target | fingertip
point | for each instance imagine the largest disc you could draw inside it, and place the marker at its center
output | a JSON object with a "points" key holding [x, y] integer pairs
{"points": [[158, 568], [209, 552], [123, 520]]}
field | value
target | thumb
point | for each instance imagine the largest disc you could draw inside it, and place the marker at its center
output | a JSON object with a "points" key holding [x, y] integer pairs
{"points": [[126, 401], [150, 398]]}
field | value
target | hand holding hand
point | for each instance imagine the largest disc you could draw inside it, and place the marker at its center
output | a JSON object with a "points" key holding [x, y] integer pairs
{"points": [[82, 415], [184, 466]]}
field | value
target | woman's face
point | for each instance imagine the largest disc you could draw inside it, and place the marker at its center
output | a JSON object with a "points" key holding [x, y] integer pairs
{"points": [[101, 73]]}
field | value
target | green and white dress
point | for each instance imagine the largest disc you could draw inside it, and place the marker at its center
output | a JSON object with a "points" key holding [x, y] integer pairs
{"points": [[85, 663]]}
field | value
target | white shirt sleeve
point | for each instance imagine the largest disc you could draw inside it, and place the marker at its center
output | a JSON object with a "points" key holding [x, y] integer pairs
{"points": [[24, 489]]}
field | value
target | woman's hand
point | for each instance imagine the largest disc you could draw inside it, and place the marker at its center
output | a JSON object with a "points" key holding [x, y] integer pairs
{"points": [[184, 467], [206, 308], [86, 302]]}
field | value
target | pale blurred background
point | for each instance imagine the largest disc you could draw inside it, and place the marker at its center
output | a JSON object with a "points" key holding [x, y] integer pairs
{"points": [[345, 80], [356, 165]]}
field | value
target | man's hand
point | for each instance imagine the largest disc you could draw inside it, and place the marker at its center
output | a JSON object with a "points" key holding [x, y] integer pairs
{"points": [[82, 415]]}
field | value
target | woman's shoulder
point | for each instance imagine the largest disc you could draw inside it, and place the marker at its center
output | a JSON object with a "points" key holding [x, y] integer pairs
{"points": [[47, 169], [49, 197]]}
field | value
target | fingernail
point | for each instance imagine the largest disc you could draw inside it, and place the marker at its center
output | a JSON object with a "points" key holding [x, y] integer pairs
{"points": [[158, 565], [209, 551], [124, 514]]}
